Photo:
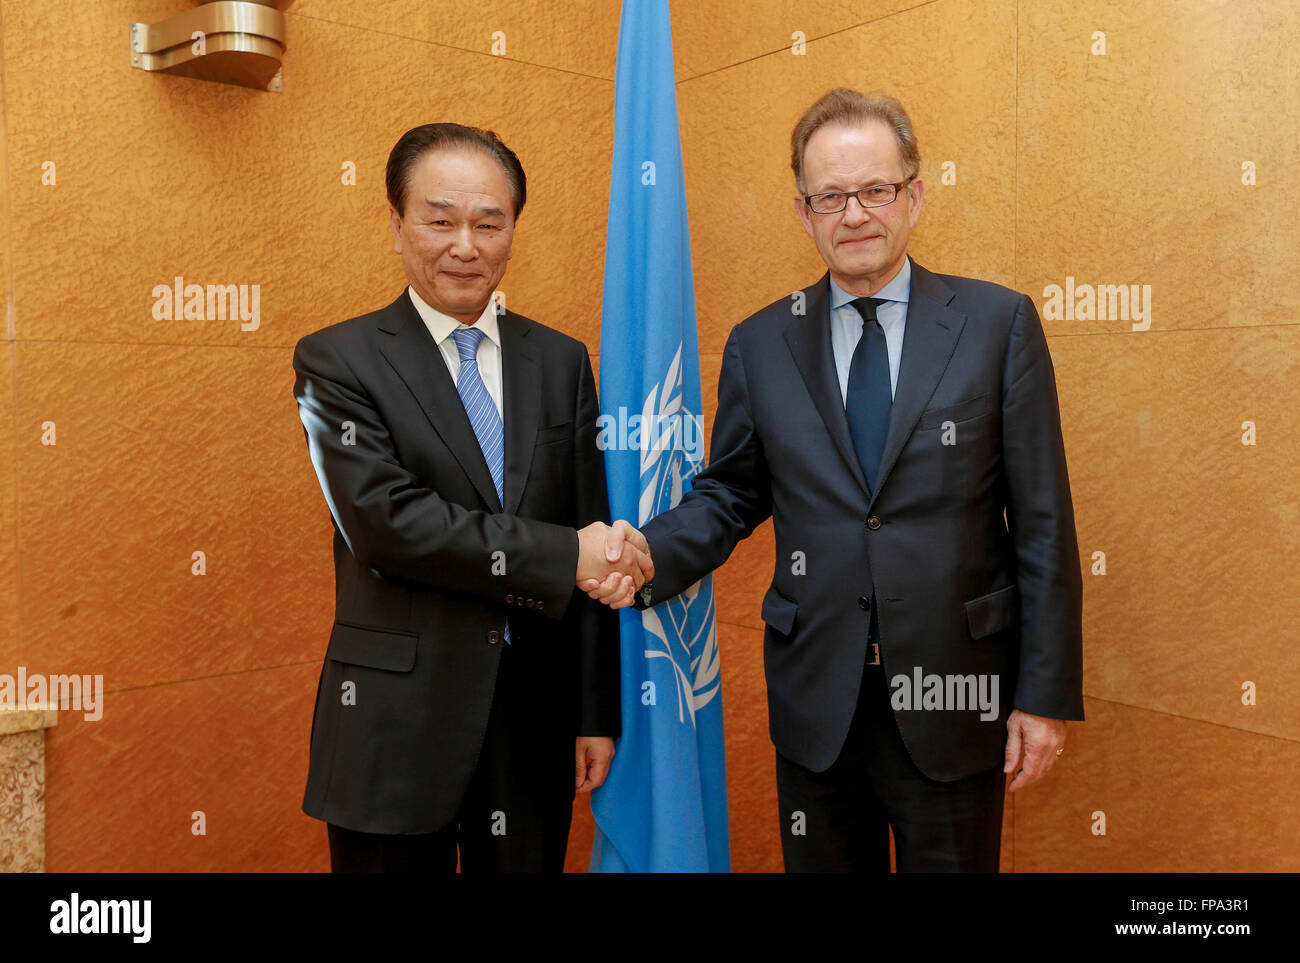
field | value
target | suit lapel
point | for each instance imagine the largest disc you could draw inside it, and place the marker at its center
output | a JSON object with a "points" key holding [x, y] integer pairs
{"points": [[416, 358], [521, 400], [809, 339], [929, 338]]}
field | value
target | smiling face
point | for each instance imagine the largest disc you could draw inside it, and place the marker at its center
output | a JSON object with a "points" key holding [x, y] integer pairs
{"points": [[455, 235], [863, 247]]}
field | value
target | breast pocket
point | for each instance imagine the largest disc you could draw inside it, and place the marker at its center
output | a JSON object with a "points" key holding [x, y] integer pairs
{"points": [[957, 413], [553, 434]]}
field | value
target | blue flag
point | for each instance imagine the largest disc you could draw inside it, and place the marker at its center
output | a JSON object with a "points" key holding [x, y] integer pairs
{"points": [[663, 807]]}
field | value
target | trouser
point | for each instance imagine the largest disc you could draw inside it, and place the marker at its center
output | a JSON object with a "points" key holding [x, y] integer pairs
{"points": [[839, 820], [516, 813]]}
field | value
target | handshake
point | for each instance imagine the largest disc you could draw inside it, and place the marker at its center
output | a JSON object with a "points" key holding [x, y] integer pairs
{"points": [[613, 563]]}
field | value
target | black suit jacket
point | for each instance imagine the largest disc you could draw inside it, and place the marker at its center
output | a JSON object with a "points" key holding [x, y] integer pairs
{"points": [[428, 565], [957, 589]]}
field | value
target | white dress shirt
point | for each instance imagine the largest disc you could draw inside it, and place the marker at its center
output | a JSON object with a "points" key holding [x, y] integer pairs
{"points": [[489, 350], [846, 325]]}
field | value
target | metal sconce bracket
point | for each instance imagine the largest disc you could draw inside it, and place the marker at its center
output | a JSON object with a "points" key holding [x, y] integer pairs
{"points": [[227, 41]]}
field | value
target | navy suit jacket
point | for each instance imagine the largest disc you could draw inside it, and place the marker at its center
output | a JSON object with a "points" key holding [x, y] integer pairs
{"points": [[966, 549]]}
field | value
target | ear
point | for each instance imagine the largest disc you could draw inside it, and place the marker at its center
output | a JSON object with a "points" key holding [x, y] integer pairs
{"points": [[917, 192], [395, 221], [805, 215]]}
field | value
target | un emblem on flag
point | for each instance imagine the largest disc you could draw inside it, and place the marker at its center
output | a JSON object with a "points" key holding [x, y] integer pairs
{"points": [[683, 629]]}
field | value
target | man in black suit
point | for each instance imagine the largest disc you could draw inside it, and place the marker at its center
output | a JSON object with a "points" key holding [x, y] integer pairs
{"points": [[468, 690], [901, 429]]}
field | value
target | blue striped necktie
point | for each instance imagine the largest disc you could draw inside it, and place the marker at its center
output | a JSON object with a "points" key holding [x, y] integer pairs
{"points": [[482, 411]]}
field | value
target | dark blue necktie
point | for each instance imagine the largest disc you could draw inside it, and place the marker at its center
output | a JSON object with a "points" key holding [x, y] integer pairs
{"points": [[869, 398]]}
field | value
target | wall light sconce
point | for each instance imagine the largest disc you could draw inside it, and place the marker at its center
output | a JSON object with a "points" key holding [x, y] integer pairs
{"points": [[228, 41]]}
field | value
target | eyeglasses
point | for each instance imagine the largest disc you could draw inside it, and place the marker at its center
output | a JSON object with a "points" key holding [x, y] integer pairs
{"points": [[877, 195]]}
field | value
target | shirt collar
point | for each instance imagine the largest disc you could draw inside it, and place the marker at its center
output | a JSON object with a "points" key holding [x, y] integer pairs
{"points": [[441, 325], [898, 289]]}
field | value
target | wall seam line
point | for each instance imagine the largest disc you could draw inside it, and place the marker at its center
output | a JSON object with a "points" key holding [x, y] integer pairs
{"points": [[769, 53], [446, 46], [11, 313]]}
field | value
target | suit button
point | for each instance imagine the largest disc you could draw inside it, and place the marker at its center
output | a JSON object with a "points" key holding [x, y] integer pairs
{"points": [[873, 523], [864, 603], [510, 599], [530, 603], [493, 637], [539, 606]]}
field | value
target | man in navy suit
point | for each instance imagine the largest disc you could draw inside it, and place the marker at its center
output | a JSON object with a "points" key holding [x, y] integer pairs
{"points": [[901, 429]]}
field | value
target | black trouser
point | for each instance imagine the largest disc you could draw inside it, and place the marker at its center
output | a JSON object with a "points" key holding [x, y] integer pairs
{"points": [[845, 813], [515, 816]]}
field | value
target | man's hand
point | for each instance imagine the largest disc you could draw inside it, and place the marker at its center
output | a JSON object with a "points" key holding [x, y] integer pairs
{"points": [[613, 562], [592, 756], [1040, 738]]}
